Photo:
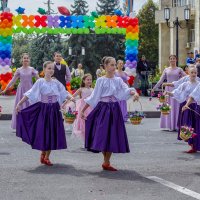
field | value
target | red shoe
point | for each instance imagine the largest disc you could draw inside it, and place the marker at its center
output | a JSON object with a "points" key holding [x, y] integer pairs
{"points": [[108, 167], [42, 158], [47, 162], [191, 151]]}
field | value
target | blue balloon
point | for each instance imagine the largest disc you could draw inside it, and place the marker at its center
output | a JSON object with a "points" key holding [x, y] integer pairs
{"points": [[20, 10], [118, 12]]}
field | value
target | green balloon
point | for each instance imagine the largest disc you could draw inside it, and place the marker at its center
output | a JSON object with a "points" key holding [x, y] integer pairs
{"points": [[94, 14], [42, 11], [80, 31], [74, 31], [86, 30], [43, 30], [97, 31]]}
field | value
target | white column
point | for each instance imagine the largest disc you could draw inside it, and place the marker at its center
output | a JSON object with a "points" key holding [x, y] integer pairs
{"points": [[197, 24], [172, 51], [160, 47]]}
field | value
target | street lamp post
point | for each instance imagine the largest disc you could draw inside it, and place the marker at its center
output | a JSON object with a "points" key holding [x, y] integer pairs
{"points": [[177, 24], [75, 56]]}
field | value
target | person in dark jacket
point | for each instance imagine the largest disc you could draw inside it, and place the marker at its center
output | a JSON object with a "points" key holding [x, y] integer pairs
{"points": [[142, 69], [61, 71]]}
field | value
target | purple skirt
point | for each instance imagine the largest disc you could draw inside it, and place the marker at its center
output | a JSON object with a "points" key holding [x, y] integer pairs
{"points": [[41, 126], [105, 130], [123, 106], [187, 118]]}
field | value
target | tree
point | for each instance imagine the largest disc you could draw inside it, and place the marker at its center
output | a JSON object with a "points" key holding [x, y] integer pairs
{"points": [[20, 44], [89, 61], [148, 34], [80, 7], [109, 45], [107, 7]]}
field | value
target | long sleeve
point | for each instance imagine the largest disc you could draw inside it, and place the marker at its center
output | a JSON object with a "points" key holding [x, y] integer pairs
{"points": [[34, 93], [124, 92], [179, 93], [180, 81], [182, 73], [68, 75], [196, 94], [14, 79], [95, 97], [63, 93], [162, 78]]}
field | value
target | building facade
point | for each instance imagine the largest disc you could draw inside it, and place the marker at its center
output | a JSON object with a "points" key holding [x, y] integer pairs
{"points": [[189, 36]]}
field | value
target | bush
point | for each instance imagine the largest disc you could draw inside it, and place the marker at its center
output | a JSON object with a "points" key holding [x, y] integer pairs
{"points": [[75, 83]]}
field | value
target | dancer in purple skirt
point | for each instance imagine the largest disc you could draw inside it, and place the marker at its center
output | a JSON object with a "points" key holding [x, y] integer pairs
{"points": [[181, 94], [120, 73], [25, 75], [41, 125], [195, 96], [171, 73], [105, 130]]}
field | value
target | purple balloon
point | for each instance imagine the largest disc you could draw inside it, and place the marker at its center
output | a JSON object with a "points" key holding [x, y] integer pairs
{"points": [[53, 21]]}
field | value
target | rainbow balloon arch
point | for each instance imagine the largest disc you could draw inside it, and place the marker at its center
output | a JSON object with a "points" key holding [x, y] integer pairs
{"points": [[43, 24]]}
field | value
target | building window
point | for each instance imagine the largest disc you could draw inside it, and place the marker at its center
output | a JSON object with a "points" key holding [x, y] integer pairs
{"points": [[192, 35], [178, 3]]}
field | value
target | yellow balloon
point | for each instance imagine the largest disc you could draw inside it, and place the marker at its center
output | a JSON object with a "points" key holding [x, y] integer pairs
{"points": [[63, 62]]}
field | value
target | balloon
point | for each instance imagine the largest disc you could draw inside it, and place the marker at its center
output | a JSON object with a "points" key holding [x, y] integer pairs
{"points": [[41, 11], [41, 21], [64, 11], [122, 21], [28, 20], [77, 21], [89, 22], [118, 12], [20, 10], [17, 20], [65, 21], [101, 21], [53, 21], [111, 21], [94, 14]]}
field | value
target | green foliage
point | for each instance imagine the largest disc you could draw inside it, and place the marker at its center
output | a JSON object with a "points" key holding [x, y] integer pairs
{"points": [[109, 45], [80, 7], [107, 7], [156, 77], [75, 83], [148, 31]]}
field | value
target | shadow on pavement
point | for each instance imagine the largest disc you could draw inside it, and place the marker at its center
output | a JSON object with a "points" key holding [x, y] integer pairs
{"points": [[129, 175]]}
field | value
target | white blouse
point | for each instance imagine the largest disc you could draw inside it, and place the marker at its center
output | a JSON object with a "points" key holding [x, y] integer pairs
{"points": [[106, 87], [183, 91], [196, 94], [182, 80], [46, 88]]}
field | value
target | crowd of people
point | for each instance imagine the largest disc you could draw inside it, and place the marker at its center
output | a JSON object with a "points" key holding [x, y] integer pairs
{"points": [[39, 122]]}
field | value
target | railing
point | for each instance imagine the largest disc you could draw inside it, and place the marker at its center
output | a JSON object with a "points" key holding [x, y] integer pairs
{"points": [[179, 3]]}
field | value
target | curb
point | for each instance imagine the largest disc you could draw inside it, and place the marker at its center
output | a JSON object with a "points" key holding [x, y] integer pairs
{"points": [[148, 114]]}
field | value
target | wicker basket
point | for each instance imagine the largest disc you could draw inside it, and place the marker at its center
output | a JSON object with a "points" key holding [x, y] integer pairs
{"points": [[70, 120], [184, 136], [162, 100], [136, 120], [164, 112]]}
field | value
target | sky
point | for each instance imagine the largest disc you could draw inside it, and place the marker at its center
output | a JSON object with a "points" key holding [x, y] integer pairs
{"points": [[31, 6]]}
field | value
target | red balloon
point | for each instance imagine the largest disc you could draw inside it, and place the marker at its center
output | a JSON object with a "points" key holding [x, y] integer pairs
{"points": [[63, 10]]}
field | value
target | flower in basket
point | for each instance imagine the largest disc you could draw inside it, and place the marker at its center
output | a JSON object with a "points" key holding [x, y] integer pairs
{"points": [[161, 96], [136, 115], [186, 132], [165, 107], [70, 114]]}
